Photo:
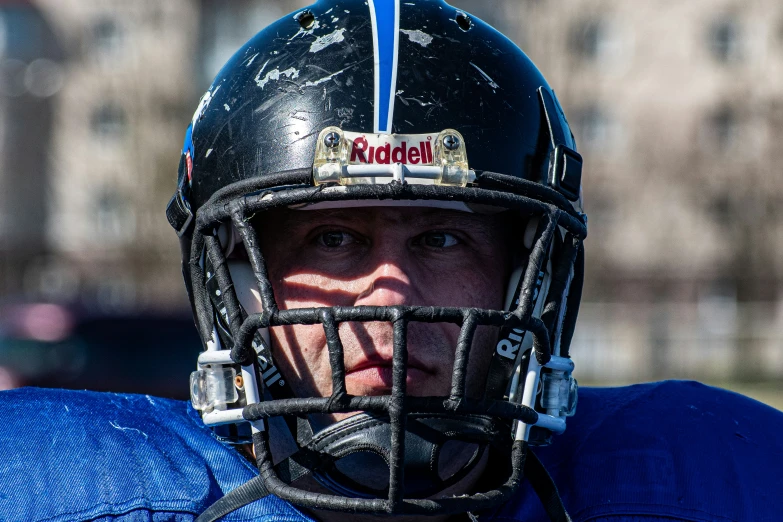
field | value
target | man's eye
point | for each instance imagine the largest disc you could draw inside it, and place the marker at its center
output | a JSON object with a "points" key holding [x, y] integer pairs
{"points": [[439, 240], [334, 239]]}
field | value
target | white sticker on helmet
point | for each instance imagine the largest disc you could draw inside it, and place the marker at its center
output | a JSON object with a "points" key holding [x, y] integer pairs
{"points": [[354, 158]]}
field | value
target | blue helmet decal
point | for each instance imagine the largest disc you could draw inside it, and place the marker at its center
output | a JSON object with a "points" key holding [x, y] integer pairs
{"points": [[385, 16]]}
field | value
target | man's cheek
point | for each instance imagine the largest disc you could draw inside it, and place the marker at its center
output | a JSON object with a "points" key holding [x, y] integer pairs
{"points": [[299, 351], [467, 289], [298, 289]]}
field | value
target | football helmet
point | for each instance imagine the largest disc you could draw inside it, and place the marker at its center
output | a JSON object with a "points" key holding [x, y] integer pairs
{"points": [[382, 102]]}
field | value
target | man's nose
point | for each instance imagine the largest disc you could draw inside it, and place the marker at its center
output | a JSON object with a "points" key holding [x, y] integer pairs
{"points": [[389, 283]]}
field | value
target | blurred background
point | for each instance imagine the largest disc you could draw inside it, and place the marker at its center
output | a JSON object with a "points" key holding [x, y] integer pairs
{"points": [[676, 106]]}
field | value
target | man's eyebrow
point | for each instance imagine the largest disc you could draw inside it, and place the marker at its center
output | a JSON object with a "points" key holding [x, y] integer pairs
{"points": [[291, 221], [296, 219], [459, 221], [436, 218]]}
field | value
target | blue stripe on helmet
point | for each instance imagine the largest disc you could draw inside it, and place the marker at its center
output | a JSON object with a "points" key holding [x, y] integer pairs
{"points": [[385, 28]]}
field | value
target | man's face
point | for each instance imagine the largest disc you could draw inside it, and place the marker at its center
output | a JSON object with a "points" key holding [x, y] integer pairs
{"points": [[382, 256]]}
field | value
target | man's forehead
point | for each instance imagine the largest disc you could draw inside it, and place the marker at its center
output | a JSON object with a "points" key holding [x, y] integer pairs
{"points": [[378, 217]]}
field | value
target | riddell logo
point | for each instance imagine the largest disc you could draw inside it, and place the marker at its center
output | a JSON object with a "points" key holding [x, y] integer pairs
{"points": [[509, 347], [405, 152], [269, 372]]}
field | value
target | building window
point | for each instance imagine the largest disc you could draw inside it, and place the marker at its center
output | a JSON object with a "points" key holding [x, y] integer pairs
{"points": [[595, 41], [594, 129], [720, 208], [107, 37], [780, 32], [724, 41], [109, 122], [721, 131], [115, 219], [589, 38]]}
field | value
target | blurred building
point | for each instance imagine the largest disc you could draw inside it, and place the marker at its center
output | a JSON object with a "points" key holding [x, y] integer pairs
{"points": [[103, 166], [678, 109], [31, 74], [676, 106], [128, 78]]}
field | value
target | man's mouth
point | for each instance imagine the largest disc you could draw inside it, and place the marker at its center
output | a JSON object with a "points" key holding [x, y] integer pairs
{"points": [[376, 378]]}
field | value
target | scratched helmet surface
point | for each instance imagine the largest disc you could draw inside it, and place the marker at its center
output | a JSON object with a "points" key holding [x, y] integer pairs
{"points": [[353, 100], [438, 69]]}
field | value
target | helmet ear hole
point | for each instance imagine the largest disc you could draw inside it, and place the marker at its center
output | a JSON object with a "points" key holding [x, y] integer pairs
{"points": [[463, 21], [306, 19]]}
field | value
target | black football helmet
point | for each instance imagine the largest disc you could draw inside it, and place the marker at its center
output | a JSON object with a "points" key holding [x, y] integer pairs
{"points": [[382, 101]]}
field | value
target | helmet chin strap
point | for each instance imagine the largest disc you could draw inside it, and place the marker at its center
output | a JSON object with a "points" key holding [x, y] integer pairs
{"points": [[439, 451], [322, 453]]}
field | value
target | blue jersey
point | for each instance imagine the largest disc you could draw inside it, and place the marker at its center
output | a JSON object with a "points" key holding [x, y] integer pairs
{"points": [[674, 450], [653, 452]]}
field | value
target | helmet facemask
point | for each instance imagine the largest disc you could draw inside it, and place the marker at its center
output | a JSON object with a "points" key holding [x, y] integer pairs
{"points": [[403, 428]]}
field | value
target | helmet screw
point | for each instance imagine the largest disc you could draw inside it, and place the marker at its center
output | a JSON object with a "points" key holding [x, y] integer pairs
{"points": [[239, 382], [451, 142], [332, 140]]}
